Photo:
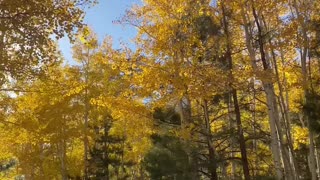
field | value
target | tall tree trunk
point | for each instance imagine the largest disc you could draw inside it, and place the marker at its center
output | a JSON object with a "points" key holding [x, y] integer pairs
{"points": [[106, 153], [86, 116], [211, 148], [284, 112], [184, 109], [272, 111], [312, 157], [233, 140], [62, 156], [271, 98], [317, 160], [304, 48], [244, 159], [255, 172]]}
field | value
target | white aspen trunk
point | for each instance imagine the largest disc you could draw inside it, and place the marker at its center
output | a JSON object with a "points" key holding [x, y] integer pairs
{"points": [[287, 157], [270, 96], [318, 161], [184, 110], [62, 156], [275, 142], [254, 142], [86, 64], [233, 163], [303, 52], [312, 157], [285, 106]]}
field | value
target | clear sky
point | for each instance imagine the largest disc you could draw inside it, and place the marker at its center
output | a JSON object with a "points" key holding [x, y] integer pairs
{"points": [[100, 18]]}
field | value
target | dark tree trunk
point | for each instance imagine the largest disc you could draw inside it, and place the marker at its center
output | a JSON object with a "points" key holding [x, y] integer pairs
{"points": [[244, 159]]}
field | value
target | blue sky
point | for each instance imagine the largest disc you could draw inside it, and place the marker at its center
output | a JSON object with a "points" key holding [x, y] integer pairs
{"points": [[100, 18]]}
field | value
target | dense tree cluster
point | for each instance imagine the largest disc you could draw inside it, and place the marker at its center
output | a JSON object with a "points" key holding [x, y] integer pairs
{"points": [[212, 90]]}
